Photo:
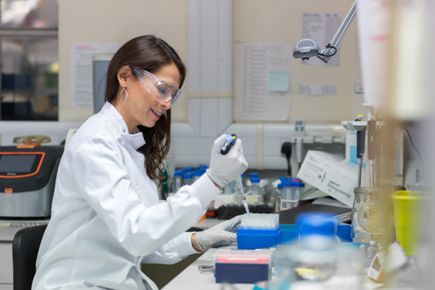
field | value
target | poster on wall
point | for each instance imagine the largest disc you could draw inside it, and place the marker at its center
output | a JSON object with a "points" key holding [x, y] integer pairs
{"points": [[81, 70], [262, 81]]}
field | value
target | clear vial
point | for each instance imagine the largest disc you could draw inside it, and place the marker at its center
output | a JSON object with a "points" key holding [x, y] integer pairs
{"points": [[290, 193]]}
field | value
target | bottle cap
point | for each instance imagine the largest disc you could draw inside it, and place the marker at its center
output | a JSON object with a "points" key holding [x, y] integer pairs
{"points": [[298, 184], [178, 172], [197, 172], [187, 174], [316, 223]]}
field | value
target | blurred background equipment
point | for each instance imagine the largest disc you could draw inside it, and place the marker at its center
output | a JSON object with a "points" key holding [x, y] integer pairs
{"points": [[27, 177]]}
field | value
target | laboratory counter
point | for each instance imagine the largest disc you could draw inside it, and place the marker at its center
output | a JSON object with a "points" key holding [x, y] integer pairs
{"points": [[195, 277]]}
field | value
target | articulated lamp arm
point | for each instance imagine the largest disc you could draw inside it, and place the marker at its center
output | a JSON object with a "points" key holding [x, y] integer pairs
{"points": [[307, 48]]}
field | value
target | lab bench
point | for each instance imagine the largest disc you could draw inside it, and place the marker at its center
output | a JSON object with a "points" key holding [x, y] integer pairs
{"points": [[193, 278]]}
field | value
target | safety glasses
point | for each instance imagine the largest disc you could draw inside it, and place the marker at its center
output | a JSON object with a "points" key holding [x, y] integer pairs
{"points": [[161, 89]]}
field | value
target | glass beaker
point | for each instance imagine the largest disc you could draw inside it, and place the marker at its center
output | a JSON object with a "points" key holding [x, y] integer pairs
{"points": [[366, 216]]}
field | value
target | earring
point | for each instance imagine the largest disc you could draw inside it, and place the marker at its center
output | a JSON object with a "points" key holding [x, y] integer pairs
{"points": [[124, 94]]}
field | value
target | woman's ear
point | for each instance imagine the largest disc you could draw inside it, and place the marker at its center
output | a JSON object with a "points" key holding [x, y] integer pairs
{"points": [[123, 74]]}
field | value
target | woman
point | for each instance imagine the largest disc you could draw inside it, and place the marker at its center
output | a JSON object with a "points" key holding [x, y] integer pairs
{"points": [[106, 219]]}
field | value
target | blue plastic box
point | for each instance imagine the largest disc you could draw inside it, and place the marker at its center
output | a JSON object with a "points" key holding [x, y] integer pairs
{"points": [[241, 273], [242, 266], [249, 238]]}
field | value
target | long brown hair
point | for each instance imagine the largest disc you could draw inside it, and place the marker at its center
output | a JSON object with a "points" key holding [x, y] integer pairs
{"points": [[149, 53]]}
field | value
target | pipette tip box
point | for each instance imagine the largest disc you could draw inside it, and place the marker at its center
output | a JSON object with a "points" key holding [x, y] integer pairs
{"points": [[249, 238]]}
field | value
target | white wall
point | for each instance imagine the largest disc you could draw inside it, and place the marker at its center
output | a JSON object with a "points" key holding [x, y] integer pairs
{"points": [[254, 21], [116, 21], [281, 20]]}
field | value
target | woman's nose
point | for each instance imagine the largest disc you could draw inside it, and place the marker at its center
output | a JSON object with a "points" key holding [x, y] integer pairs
{"points": [[166, 104]]}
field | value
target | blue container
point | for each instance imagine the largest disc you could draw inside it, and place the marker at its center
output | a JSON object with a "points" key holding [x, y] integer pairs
{"points": [[288, 233], [250, 239], [241, 273], [344, 232]]}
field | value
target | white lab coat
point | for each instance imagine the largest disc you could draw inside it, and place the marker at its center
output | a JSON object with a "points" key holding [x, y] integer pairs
{"points": [[106, 218]]}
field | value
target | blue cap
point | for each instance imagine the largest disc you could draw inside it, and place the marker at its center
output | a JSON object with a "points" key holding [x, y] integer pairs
{"points": [[197, 172], [254, 174], [178, 172], [187, 174], [202, 167], [298, 184], [254, 179], [288, 183], [283, 184], [317, 223]]}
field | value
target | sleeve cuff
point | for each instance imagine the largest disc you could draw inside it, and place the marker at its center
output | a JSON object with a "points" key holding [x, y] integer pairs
{"points": [[185, 248]]}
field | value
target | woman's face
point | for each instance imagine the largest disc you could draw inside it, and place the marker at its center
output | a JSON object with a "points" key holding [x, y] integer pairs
{"points": [[147, 100]]}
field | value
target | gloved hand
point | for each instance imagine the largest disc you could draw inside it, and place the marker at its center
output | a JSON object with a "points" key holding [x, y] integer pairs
{"points": [[217, 236], [225, 168]]}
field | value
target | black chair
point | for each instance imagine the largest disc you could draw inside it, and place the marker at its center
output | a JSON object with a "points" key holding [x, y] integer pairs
{"points": [[24, 252]]}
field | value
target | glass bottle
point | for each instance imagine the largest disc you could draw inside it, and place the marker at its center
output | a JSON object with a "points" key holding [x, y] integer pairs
{"points": [[365, 216]]}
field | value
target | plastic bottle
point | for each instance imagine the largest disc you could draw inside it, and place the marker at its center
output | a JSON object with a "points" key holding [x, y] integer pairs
{"points": [[289, 193], [317, 259], [187, 177], [313, 256], [196, 174], [178, 180], [254, 193]]}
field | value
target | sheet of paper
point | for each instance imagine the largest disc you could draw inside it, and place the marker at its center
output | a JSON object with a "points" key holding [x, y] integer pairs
{"points": [[262, 81], [81, 66], [321, 28], [317, 90]]}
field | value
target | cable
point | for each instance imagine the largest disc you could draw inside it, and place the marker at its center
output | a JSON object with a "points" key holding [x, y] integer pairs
{"points": [[286, 149], [412, 144]]}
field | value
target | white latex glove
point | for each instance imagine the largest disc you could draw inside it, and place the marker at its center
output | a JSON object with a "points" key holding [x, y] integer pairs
{"points": [[225, 168], [217, 236]]}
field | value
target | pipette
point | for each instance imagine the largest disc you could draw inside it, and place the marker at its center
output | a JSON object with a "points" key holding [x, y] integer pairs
{"points": [[230, 140], [242, 191]]}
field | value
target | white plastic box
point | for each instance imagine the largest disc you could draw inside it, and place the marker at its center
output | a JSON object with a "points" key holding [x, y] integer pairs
{"points": [[331, 175]]}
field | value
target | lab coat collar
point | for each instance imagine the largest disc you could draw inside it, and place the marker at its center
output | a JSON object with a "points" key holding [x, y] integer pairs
{"points": [[135, 139]]}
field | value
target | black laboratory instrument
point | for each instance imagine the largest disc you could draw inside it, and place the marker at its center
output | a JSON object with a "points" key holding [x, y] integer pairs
{"points": [[27, 178]]}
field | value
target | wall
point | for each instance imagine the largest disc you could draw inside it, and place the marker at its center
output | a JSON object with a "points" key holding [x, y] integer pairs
{"points": [[281, 21], [254, 21], [196, 119], [115, 21]]}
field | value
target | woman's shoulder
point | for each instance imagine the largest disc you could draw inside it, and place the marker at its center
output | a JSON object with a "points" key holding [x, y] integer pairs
{"points": [[97, 129]]}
